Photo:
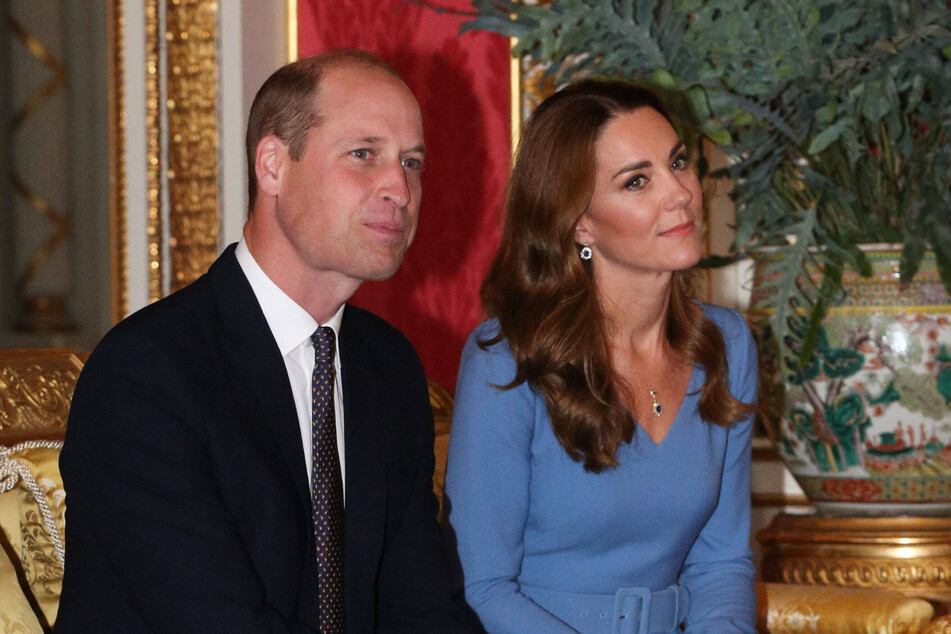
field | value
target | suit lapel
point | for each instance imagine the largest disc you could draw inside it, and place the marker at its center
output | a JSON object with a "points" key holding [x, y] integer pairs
{"points": [[255, 357], [366, 481]]}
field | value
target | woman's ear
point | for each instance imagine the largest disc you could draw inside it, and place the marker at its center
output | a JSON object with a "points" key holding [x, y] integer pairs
{"points": [[582, 236]]}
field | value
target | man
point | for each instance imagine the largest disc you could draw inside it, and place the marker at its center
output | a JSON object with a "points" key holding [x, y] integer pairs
{"points": [[210, 456]]}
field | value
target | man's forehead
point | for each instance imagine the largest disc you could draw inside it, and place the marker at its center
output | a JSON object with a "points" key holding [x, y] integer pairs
{"points": [[371, 111], [348, 84]]}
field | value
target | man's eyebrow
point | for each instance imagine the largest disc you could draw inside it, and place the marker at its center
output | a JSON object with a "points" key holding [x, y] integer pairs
{"points": [[377, 140], [364, 140]]}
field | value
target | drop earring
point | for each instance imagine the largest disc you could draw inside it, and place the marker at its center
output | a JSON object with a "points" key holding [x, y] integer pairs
{"points": [[585, 252]]}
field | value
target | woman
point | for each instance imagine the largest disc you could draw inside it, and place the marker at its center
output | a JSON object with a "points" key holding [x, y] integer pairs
{"points": [[599, 462]]}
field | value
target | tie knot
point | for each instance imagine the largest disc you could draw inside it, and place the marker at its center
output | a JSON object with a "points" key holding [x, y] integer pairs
{"points": [[324, 341]]}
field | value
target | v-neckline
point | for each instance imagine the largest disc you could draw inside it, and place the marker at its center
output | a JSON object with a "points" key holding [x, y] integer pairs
{"points": [[691, 390]]}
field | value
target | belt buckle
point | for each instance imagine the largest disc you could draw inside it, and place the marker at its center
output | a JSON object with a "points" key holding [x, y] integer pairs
{"points": [[627, 613]]}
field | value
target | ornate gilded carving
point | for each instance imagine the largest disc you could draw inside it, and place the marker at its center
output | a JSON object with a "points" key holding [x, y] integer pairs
{"points": [[909, 554], [440, 399], [941, 625], [117, 171], [154, 175], [864, 573], [191, 41], [35, 391], [182, 81]]}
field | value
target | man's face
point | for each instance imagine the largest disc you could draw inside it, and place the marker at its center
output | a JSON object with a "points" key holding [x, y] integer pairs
{"points": [[351, 203]]}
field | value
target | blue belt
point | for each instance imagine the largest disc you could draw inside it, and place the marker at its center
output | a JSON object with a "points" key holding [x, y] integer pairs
{"points": [[627, 611]]}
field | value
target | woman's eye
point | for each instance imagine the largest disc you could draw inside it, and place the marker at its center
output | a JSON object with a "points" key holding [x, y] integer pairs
{"points": [[680, 163], [361, 154], [635, 183]]}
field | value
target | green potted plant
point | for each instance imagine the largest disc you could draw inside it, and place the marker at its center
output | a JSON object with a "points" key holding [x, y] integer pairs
{"points": [[835, 118]]}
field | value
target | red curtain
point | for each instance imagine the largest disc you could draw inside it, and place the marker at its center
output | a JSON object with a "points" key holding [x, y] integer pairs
{"points": [[463, 87]]}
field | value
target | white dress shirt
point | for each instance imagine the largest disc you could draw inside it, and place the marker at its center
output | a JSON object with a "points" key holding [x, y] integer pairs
{"points": [[292, 327]]}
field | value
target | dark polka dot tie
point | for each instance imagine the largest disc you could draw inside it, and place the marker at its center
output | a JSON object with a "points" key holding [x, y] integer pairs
{"points": [[326, 485]]}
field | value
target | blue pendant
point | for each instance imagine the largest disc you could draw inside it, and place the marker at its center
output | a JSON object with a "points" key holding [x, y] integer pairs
{"points": [[656, 408]]}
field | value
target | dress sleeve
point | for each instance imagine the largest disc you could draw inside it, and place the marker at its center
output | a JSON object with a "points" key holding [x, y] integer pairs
{"points": [[718, 570], [487, 489]]}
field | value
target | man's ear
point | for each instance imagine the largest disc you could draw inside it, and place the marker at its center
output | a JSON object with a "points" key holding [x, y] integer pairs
{"points": [[270, 160]]}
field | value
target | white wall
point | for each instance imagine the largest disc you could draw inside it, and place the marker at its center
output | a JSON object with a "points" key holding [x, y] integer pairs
{"points": [[253, 45]]}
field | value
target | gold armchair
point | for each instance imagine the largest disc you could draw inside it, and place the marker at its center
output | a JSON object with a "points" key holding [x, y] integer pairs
{"points": [[35, 391]]}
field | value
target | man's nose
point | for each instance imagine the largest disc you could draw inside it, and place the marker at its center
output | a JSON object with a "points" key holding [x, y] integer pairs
{"points": [[395, 186]]}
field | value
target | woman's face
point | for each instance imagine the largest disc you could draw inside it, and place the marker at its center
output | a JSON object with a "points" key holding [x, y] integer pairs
{"points": [[645, 213]]}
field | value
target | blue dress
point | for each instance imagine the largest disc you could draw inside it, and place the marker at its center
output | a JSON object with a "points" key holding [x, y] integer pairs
{"points": [[527, 516]]}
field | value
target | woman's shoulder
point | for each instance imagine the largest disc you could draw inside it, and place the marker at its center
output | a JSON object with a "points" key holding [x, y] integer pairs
{"points": [[730, 322], [488, 329], [740, 347], [486, 346], [487, 338]]}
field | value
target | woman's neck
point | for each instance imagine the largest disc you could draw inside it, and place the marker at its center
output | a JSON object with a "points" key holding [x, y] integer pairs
{"points": [[637, 319]]}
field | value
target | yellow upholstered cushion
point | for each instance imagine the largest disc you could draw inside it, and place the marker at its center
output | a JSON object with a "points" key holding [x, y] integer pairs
{"points": [[790, 608], [16, 617], [27, 533]]}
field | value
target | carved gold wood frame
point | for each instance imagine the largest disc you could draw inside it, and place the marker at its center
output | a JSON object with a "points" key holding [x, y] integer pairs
{"points": [[182, 145], [182, 140], [119, 282]]}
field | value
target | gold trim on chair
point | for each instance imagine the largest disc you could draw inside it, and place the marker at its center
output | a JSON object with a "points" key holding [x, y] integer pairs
{"points": [[36, 386]]}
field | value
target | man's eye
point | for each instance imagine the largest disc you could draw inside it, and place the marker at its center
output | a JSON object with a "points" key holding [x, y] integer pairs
{"points": [[635, 183], [413, 164], [361, 154]]}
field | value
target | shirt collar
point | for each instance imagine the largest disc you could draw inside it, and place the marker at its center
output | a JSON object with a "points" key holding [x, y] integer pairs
{"points": [[290, 324]]}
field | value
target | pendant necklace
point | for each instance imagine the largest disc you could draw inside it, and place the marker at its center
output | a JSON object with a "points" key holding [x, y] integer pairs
{"points": [[656, 408]]}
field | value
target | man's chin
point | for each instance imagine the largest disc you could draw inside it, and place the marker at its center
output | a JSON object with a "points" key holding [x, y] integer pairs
{"points": [[382, 272]]}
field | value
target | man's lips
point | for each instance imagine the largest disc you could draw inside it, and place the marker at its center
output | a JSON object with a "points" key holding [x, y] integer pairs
{"points": [[679, 231], [393, 230]]}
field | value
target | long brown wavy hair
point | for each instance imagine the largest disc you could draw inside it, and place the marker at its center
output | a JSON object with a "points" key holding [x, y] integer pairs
{"points": [[545, 297]]}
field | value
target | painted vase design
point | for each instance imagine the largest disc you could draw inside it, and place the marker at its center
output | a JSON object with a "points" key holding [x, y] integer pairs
{"points": [[866, 424]]}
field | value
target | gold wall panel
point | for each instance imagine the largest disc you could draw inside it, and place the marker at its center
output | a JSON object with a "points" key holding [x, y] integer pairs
{"points": [[118, 253], [182, 123], [191, 39], [154, 171]]}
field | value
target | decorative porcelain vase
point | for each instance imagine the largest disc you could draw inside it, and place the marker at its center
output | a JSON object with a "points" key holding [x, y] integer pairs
{"points": [[865, 427]]}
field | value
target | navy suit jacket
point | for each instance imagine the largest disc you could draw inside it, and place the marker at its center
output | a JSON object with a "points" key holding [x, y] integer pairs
{"points": [[188, 507]]}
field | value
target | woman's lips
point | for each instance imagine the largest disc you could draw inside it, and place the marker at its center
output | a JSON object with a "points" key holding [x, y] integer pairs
{"points": [[680, 230]]}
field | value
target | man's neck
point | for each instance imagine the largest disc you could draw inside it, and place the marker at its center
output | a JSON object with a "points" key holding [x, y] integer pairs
{"points": [[320, 293]]}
